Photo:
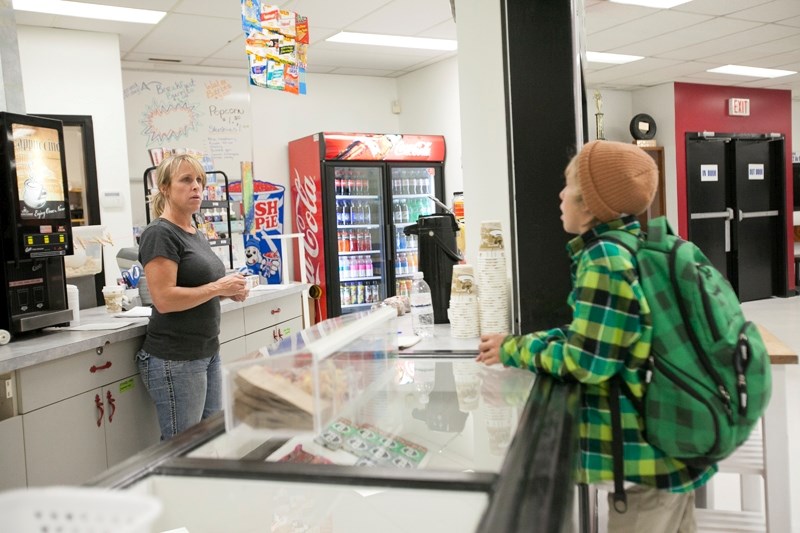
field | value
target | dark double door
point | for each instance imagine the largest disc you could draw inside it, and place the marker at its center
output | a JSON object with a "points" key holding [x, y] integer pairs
{"points": [[735, 197]]}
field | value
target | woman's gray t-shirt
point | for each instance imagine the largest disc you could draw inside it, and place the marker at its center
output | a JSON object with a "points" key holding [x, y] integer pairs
{"points": [[193, 333]]}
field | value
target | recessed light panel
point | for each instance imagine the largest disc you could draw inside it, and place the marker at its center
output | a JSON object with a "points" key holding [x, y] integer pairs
{"points": [[657, 4], [90, 11], [604, 57], [753, 72], [393, 40]]}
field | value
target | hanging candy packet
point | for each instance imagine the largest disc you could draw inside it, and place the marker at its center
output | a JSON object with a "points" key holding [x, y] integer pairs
{"points": [[251, 15]]}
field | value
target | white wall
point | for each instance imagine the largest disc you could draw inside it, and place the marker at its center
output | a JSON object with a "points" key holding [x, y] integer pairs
{"points": [[78, 73], [659, 103], [617, 113], [429, 105], [333, 103], [619, 107]]}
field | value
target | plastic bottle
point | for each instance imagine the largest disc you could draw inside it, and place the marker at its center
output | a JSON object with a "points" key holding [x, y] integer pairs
{"points": [[421, 307]]}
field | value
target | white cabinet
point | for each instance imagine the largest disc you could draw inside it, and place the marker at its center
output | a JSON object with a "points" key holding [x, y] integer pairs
{"points": [[246, 330], [84, 413], [12, 454]]}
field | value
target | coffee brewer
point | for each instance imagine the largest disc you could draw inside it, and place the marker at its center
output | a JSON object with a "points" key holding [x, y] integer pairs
{"points": [[35, 219]]}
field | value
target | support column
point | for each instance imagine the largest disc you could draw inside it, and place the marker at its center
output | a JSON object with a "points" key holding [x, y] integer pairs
{"points": [[545, 127]]}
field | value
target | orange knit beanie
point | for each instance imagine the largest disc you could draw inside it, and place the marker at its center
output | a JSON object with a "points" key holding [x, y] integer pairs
{"points": [[615, 179]]}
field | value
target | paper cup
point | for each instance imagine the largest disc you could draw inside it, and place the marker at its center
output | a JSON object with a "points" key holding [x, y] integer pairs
{"points": [[491, 235], [114, 296]]}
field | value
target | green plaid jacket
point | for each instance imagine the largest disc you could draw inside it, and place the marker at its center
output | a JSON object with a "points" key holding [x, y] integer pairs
{"points": [[610, 333]]}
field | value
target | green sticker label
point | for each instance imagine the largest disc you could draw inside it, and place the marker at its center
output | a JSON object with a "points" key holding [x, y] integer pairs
{"points": [[127, 385]]}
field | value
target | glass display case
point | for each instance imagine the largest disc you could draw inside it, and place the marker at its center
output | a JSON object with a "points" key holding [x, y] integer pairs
{"points": [[386, 442]]}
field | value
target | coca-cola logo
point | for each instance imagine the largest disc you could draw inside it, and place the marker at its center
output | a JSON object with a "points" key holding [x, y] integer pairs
{"points": [[419, 148], [306, 207]]}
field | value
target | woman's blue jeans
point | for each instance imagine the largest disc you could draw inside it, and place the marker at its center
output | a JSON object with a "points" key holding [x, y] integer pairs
{"points": [[184, 392]]}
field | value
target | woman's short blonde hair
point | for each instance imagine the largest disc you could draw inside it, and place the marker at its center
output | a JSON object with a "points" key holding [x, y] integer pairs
{"points": [[164, 174]]}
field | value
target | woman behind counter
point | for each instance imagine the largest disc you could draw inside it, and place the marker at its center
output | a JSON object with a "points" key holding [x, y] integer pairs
{"points": [[179, 360]]}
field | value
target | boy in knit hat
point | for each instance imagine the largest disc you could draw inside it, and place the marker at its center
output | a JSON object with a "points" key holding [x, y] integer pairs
{"points": [[607, 184]]}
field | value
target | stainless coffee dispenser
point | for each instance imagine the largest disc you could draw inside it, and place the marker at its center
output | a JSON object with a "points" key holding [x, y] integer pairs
{"points": [[35, 218]]}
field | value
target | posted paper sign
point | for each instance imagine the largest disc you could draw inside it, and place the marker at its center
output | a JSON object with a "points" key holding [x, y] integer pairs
{"points": [[755, 171], [709, 173]]}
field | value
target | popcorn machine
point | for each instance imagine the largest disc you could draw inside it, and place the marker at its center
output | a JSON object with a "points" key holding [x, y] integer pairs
{"points": [[35, 221]]}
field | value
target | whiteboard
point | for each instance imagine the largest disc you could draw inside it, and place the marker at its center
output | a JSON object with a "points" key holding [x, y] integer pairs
{"points": [[210, 114]]}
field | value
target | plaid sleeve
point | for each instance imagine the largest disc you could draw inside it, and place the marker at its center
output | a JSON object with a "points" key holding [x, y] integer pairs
{"points": [[605, 323]]}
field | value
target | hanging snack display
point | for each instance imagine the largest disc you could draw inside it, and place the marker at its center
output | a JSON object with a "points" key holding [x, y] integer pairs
{"points": [[276, 41]]}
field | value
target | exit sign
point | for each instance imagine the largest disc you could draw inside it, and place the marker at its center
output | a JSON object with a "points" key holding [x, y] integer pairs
{"points": [[739, 107]]}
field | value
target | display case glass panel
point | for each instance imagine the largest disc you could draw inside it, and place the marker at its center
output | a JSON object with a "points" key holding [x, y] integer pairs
{"points": [[206, 504], [309, 380]]}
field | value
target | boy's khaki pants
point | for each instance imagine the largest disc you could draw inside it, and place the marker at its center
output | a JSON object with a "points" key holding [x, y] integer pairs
{"points": [[652, 510]]}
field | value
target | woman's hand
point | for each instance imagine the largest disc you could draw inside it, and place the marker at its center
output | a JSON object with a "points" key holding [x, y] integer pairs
{"points": [[489, 348], [233, 286]]}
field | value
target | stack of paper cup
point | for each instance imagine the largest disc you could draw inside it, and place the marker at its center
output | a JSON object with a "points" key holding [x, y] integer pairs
{"points": [[463, 311], [74, 303], [494, 301]]}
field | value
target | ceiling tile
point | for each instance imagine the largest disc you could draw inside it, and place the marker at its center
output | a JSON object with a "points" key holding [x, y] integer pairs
{"points": [[405, 14], [189, 35], [753, 37], [642, 29], [717, 7], [770, 11]]}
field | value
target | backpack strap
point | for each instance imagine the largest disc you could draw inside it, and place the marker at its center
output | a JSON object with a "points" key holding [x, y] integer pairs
{"points": [[617, 451], [617, 387]]}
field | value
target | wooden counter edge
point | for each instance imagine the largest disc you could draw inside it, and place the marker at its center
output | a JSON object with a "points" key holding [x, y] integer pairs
{"points": [[779, 353]]}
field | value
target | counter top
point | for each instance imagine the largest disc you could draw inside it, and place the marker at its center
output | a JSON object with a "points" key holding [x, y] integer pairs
{"points": [[54, 343]]}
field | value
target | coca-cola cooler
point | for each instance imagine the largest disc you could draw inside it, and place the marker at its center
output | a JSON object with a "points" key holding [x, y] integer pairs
{"points": [[352, 194]]}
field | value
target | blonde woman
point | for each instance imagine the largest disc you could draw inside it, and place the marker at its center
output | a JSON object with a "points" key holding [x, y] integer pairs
{"points": [[179, 360]]}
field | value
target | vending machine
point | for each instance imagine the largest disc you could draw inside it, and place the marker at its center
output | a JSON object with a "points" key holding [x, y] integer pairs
{"points": [[36, 230], [352, 194]]}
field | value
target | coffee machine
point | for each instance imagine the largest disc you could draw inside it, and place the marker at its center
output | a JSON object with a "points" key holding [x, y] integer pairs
{"points": [[35, 220]]}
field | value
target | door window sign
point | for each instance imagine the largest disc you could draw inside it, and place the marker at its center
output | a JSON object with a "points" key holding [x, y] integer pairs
{"points": [[709, 173], [755, 171]]}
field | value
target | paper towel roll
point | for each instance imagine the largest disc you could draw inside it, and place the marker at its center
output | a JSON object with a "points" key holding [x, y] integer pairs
{"points": [[74, 303]]}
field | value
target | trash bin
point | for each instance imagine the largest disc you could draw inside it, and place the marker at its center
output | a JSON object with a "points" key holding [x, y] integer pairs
{"points": [[438, 253]]}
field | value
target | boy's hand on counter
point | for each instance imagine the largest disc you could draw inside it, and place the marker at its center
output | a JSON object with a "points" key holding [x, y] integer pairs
{"points": [[489, 348]]}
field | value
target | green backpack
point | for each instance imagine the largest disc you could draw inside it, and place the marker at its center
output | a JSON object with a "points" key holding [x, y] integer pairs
{"points": [[708, 376]]}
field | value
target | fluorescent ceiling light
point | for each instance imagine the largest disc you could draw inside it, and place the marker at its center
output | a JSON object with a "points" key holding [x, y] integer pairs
{"points": [[753, 72], [90, 11], [604, 57], [397, 41], [657, 4]]}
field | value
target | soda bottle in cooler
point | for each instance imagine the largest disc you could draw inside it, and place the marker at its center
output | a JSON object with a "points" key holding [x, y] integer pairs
{"points": [[367, 213], [407, 187], [349, 188], [353, 292], [404, 214], [368, 240], [360, 292], [370, 268], [396, 212], [345, 213], [366, 183], [353, 240], [360, 240], [340, 240]]}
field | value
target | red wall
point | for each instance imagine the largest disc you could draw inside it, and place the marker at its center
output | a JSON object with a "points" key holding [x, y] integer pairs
{"points": [[705, 108]]}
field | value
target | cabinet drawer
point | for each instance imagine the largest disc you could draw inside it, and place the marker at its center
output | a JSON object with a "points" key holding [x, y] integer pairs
{"points": [[43, 384], [264, 315], [232, 350], [231, 325], [270, 337]]}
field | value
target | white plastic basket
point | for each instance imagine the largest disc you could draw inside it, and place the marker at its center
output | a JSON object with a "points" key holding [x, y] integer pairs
{"points": [[77, 510]]}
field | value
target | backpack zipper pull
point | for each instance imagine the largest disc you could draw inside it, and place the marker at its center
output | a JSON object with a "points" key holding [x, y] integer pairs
{"points": [[741, 384], [648, 375]]}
